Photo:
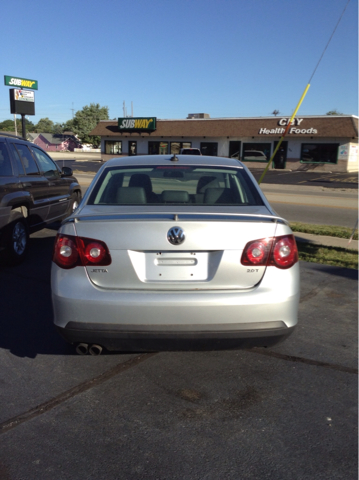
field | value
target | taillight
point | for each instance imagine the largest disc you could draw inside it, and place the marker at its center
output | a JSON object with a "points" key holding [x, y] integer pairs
{"points": [[285, 252], [280, 252], [71, 251]]}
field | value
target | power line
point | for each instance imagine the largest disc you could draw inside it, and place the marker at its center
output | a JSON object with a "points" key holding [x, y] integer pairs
{"points": [[332, 35]]}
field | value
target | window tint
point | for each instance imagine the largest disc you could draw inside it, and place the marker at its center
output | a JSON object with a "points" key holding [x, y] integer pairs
{"points": [[180, 185], [16, 155], [47, 166], [319, 152], [5, 164], [27, 159], [209, 148]]}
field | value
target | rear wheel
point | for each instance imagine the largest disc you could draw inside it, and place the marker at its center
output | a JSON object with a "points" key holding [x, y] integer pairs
{"points": [[16, 242], [75, 201]]}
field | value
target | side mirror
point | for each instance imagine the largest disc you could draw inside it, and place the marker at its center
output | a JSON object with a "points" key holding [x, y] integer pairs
{"points": [[66, 172]]}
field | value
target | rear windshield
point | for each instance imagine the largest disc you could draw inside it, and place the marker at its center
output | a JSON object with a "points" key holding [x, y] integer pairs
{"points": [[179, 185]]}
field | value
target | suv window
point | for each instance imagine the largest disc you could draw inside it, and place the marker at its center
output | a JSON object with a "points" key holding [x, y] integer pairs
{"points": [[27, 159], [5, 164], [47, 166]]}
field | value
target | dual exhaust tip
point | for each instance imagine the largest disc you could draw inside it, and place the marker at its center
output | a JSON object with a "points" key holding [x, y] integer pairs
{"points": [[85, 348]]}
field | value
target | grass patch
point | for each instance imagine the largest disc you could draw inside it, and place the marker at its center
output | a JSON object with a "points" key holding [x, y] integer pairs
{"points": [[339, 232], [339, 257]]}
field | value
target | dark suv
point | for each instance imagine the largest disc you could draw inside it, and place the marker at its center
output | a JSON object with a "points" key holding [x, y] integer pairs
{"points": [[33, 193]]}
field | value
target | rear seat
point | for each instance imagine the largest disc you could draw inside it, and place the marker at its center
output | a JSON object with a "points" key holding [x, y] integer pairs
{"points": [[175, 196], [131, 196]]}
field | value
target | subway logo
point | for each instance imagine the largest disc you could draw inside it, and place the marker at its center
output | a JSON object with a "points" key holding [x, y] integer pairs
{"points": [[139, 123], [20, 82]]}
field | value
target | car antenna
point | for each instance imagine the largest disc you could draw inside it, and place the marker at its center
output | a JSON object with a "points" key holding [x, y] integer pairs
{"points": [[174, 158]]}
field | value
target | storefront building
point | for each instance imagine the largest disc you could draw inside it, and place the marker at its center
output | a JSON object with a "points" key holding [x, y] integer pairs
{"points": [[321, 143]]}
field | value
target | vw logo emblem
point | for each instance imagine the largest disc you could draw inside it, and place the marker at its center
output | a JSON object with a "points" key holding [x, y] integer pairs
{"points": [[176, 236]]}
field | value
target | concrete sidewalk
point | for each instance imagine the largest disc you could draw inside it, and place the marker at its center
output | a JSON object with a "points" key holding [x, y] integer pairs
{"points": [[326, 241]]}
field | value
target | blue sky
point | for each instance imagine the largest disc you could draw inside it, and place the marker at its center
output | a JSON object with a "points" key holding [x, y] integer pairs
{"points": [[228, 58]]}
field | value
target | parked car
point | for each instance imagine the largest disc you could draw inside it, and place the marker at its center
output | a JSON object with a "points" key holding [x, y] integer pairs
{"points": [[251, 155], [254, 155], [174, 253], [33, 193], [190, 151]]}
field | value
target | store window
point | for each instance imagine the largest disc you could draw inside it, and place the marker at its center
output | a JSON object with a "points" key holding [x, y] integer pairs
{"points": [[256, 152], [177, 146], [157, 148], [209, 148], [113, 148], [319, 153]]}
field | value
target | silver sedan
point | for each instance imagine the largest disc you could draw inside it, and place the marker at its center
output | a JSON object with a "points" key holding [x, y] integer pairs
{"points": [[171, 252]]}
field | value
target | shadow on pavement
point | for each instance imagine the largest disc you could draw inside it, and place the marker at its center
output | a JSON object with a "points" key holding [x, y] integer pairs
{"points": [[26, 327], [331, 270]]}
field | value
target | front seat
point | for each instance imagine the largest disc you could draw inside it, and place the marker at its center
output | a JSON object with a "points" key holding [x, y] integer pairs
{"points": [[207, 181], [144, 181]]}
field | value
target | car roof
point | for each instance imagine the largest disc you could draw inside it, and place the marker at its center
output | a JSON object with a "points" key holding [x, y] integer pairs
{"points": [[141, 160]]}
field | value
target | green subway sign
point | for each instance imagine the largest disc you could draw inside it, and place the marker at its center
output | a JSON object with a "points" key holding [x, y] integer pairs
{"points": [[20, 82], [138, 124]]}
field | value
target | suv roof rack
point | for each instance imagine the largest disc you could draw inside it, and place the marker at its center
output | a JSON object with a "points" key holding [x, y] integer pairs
{"points": [[5, 134]]}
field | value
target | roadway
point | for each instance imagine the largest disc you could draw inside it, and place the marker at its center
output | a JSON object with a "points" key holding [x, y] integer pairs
{"points": [[308, 197]]}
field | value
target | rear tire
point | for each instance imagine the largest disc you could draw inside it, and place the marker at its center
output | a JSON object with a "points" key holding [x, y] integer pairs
{"points": [[16, 242], [75, 201]]}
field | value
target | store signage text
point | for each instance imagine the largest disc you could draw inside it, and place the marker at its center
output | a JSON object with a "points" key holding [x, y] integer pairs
{"points": [[24, 95], [20, 82], [286, 121], [294, 130], [139, 124]]}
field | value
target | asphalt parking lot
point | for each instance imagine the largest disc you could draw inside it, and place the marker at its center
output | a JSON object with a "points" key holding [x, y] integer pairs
{"points": [[289, 412]]}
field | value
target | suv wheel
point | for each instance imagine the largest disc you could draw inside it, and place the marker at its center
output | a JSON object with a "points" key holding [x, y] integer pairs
{"points": [[17, 241], [75, 201]]}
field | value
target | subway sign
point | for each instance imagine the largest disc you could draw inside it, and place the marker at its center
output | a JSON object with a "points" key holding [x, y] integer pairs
{"points": [[137, 124], [20, 82]]}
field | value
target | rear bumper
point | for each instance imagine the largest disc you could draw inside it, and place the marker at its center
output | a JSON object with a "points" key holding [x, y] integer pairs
{"points": [[175, 320], [168, 338]]}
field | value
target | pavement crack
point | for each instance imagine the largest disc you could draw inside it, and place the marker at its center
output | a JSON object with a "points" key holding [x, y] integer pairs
{"points": [[306, 361], [63, 397]]}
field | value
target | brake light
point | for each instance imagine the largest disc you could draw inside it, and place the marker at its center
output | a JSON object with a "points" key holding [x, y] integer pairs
{"points": [[285, 252], [71, 251], [280, 252]]}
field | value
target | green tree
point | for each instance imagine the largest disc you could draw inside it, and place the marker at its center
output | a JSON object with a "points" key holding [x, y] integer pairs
{"points": [[44, 125], [86, 120], [333, 112], [8, 126], [68, 126], [57, 128]]}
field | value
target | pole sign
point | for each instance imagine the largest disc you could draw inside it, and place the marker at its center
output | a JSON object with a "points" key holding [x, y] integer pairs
{"points": [[22, 102], [20, 82], [138, 124]]}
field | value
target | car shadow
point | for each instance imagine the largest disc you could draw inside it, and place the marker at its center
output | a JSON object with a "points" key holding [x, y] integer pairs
{"points": [[26, 327]]}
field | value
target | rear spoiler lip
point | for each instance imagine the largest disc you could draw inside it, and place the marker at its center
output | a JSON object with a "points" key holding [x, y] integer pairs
{"points": [[236, 217]]}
